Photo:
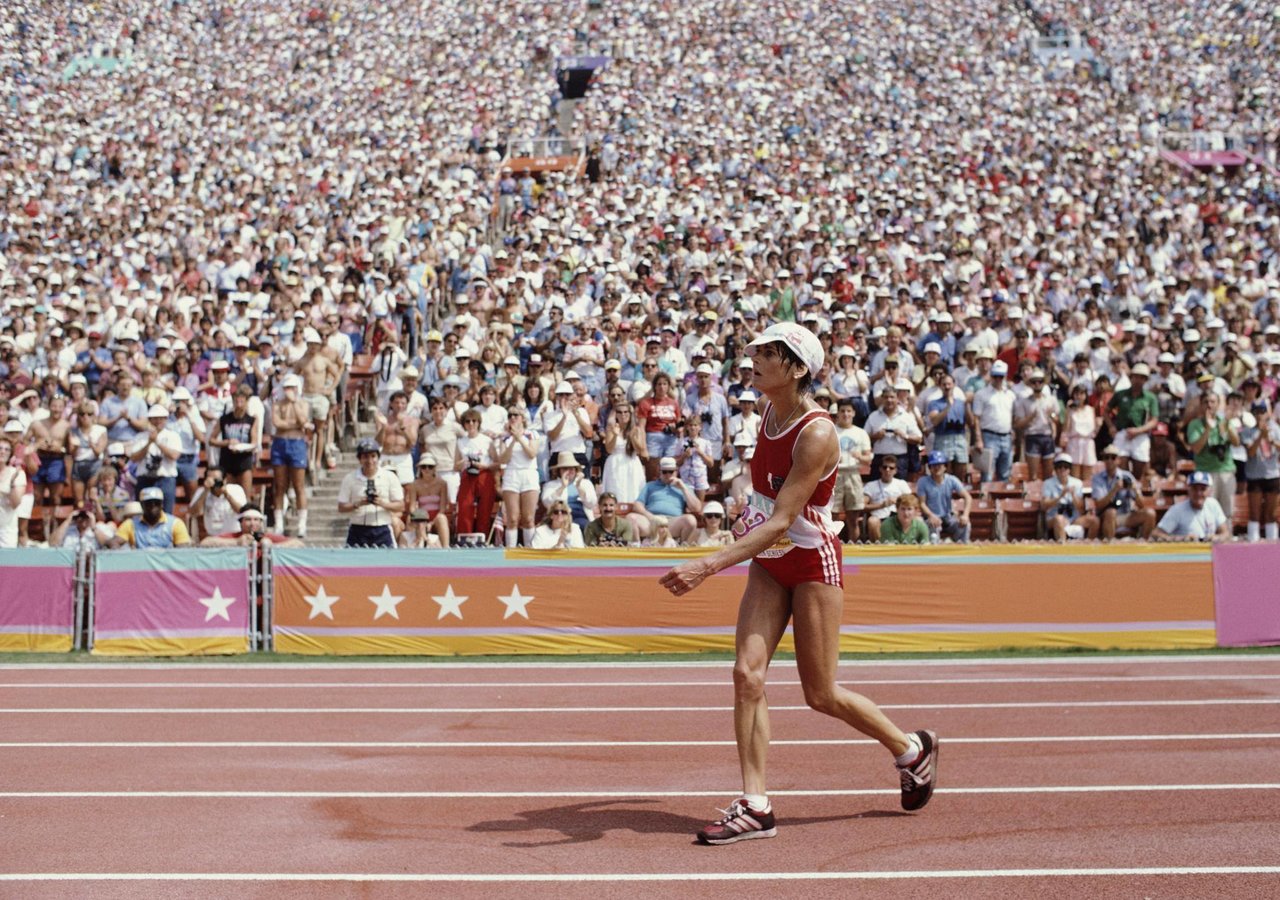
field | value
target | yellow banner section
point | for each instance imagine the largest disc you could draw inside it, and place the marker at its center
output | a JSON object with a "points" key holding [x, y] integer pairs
{"points": [[35, 643], [206, 646]]}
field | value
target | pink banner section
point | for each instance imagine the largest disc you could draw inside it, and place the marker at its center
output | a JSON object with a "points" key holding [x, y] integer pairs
{"points": [[172, 601], [37, 602], [1246, 594]]}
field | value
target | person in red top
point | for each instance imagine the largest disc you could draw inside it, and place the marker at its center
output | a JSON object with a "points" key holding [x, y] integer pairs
{"points": [[795, 576], [658, 415]]}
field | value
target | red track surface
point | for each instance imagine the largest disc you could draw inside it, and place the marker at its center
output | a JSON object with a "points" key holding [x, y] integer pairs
{"points": [[552, 794]]}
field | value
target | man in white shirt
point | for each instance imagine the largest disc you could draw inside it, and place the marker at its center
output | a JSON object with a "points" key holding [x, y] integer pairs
{"points": [[891, 428], [881, 496], [156, 453], [373, 497], [1198, 518], [993, 408], [747, 420], [855, 451]]}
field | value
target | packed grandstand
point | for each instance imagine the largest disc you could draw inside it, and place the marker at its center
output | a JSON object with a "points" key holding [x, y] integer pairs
{"points": [[1039, 241]]}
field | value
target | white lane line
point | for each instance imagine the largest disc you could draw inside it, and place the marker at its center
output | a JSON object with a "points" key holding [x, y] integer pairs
{"points": [[969, 662], [510, 710], [498, 745], [618, 795], [562, 877], [720, 682]]}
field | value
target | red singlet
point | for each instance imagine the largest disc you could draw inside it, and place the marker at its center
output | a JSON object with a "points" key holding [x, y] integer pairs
{"points": [[810, 551]]}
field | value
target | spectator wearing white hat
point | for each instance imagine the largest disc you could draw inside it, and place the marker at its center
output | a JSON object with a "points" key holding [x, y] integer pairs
{"points": [[291, 424], [188, 424], [156, 453], [1133, 414], [668, 497], [993, 410], [747, 419], [706, 403], [1062, 502], [154, 528], [320, 374], [712, 533]]}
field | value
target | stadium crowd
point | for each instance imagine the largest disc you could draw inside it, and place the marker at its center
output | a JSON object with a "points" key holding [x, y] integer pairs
{"points": [[223, 224]]}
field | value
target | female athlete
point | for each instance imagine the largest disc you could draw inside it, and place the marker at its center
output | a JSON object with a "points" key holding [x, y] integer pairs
{"points": [[795, 575]]}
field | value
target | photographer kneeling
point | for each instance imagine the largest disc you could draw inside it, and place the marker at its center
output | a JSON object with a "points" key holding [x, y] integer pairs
{"points": [[373, 496], [252, 530]]}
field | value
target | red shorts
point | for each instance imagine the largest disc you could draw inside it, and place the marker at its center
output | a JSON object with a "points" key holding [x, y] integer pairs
{"points": [[824, 565]]}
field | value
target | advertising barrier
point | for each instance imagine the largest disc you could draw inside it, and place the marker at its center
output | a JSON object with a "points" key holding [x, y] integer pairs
{"points": [[172, 602], [1135, 596], [1246, 593], [37, 600]]}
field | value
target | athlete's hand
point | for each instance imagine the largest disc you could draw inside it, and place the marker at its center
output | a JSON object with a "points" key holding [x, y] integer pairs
{"points": [[685, 577]]}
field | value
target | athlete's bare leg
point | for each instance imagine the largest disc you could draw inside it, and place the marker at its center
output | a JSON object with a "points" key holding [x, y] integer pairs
{"points": [[816, 612], [762, 619]]}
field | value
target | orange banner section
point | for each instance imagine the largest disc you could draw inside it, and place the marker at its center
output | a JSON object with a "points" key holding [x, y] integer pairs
{"points": [[949, 598]]}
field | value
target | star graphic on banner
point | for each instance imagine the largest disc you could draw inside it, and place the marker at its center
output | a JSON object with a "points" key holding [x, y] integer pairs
{"points": [[386, 603], [516, 603], [321, 603], [450, 603], [217, 605]]}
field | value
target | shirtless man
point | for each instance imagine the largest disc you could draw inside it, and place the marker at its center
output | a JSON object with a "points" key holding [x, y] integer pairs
{"points": [[397, 433], [50, 437], [320, 374], [292, 424]]}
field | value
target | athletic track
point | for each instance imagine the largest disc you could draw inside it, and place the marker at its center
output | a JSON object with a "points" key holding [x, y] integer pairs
{"points": [[1076, 777]]}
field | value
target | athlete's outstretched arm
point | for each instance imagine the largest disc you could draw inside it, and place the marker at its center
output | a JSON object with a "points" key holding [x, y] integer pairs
{"points": [[815, 453]]}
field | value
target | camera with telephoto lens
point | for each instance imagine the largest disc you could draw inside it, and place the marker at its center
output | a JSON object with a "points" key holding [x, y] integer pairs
{"points": [[706, 417], [370, 491], [1219, 450], [473, 465], [1065, 506]]}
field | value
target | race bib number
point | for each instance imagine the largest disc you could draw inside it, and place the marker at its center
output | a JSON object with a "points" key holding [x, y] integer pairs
{"points": [[751, 519]]}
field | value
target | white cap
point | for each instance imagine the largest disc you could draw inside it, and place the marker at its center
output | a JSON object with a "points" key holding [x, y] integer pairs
{"points": [[803, 342], [933, 347], [704, 369], [564, 387], [157, 412], [712, 506], [291, 381], [999, 368], [311, 336], [181, 393], [667, 463], [748, 396]]}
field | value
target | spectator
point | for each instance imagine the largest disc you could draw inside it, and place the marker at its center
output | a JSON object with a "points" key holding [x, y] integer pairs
{"points": [[50, 435], [624, 444], [154, 528], [1198, 518], [707, 404], [217, 503], [609, 529], [882, 495], [517, 452], [747, 419], [694, 456], [81, 531], [155, 453], [938, 491], [847, 500], [13, 484], [474, 457], [572, 488], [88, 442], [251, 531], [905, 525], [1062, 502], [438, 438], [291, 423], [397, 433], [320, 373], [427, 498], [950, 421], [670, 498], [712, 533], [659, 416], [1210, 436], [238, 436], [1117, 499], [1262, 472], [188, 425], [660, 536], [993, 409], [1036, 418], [892, 430], [1133, 414], [569, 427], [558, 531], [372, 496]]}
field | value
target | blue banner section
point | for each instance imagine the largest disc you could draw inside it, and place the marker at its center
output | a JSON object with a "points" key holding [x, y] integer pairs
{"points": [[36, 558], [193, 560]]}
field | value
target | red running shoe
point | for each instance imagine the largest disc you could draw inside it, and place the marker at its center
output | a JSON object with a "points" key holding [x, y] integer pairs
{"points": [[740, 823]]}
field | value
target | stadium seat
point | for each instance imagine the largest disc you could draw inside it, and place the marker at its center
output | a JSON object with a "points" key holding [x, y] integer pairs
{"points": [[998, 490], [1021, 518], [982, 519]]}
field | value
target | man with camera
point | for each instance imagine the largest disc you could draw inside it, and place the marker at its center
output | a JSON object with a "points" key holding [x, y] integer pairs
{"points": [[372, 496], [251, 531], [1117, 499], [218, 501], [1210, 437], [1062, 502]]}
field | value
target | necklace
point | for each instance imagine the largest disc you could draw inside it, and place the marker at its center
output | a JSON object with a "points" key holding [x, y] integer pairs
{"points": [[778, 429]]}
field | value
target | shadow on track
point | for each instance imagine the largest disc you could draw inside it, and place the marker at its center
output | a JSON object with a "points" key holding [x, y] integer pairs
{"points": [[581, 823]]}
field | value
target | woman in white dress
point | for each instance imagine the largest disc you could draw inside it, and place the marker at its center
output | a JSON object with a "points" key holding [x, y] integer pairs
{"points": [[624, 442], [1078, 435]]}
